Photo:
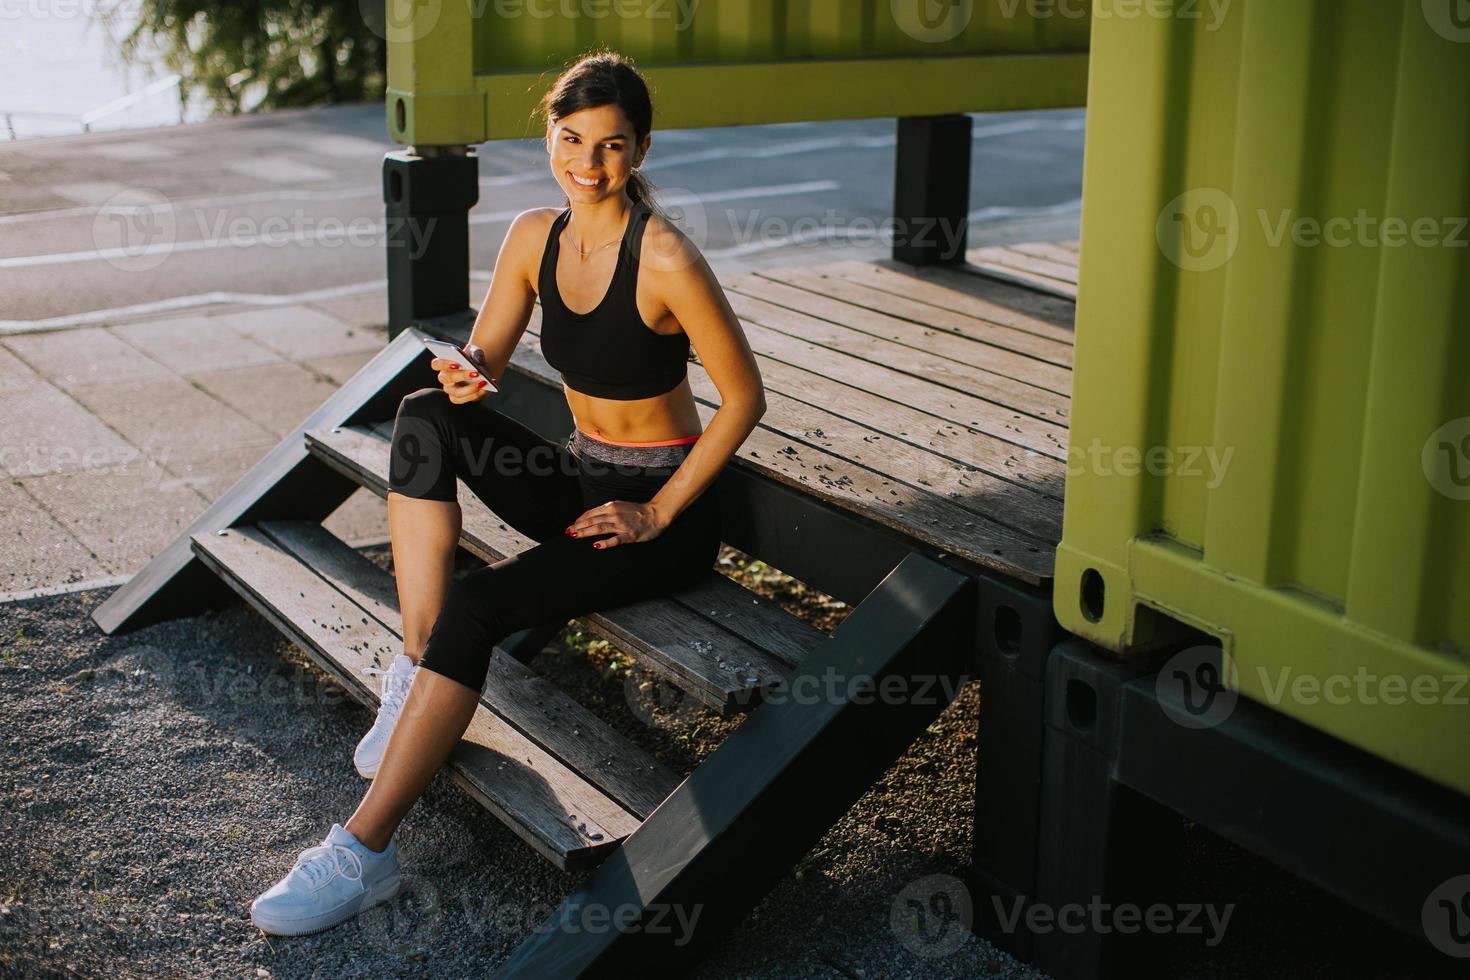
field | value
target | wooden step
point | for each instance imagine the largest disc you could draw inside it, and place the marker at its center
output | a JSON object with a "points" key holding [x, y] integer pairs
{"points": [[533, 705], [717, 640], [565, 816]]}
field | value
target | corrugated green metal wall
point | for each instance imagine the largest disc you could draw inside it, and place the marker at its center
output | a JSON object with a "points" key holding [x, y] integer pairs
{"points": [[465, 72], [509, 39], [1276, 270]]}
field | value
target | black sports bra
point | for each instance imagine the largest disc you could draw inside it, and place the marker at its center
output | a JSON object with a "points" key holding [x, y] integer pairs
{"points": [[608, 352]]}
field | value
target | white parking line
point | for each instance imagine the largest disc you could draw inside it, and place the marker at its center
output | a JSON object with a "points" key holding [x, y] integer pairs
{"points": [[365, 227]]}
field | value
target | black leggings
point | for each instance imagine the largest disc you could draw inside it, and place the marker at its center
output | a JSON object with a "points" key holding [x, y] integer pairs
{"points": [[538, 489]]}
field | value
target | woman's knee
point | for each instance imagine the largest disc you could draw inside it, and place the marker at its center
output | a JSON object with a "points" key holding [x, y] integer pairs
{"points": [[464, 635], [420, 462]]}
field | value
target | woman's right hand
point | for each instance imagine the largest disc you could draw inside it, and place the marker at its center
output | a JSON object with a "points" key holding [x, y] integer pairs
{"points": [[461, 381]]}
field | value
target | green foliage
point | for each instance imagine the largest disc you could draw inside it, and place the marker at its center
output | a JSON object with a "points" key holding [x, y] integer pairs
{"points": [[268, 54]]}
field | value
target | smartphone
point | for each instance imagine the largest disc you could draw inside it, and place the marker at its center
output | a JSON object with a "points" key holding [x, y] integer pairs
{"points": [[444, 349]]}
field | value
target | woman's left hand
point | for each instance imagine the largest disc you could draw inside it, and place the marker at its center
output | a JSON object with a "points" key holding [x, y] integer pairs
{"points": [[625, 520]]}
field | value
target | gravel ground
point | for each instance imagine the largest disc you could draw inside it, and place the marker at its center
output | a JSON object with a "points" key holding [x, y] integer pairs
{"points": [[153, 783]]}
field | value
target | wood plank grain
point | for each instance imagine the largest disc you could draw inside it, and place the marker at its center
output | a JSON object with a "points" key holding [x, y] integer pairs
{"points": [[943, 307], [1038, 435], [1025, 497], [793, 312], [914, 513], [1018, 269], [536, 708], [905, 321], [1016, 508], [1064, 257], [959, 288], [562, 816], [1017, 258]]}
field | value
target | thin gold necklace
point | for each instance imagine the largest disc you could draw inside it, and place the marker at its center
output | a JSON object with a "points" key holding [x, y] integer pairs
{"points": [[588, 252]]}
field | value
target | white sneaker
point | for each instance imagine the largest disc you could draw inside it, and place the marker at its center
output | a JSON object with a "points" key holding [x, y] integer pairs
{"points": [[397, 679], [330, 883]]}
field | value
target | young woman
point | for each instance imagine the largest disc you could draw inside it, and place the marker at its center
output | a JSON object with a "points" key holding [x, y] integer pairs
{"points": [[624, 510]]}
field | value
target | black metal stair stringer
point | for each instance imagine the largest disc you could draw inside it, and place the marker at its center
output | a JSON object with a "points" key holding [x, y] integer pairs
{"points": [[288, 483], [760, 801]]}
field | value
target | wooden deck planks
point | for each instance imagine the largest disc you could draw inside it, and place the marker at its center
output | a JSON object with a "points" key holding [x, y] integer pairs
{"points": [[1052, 271], [915, 510], [793, 313], [896, 319]]}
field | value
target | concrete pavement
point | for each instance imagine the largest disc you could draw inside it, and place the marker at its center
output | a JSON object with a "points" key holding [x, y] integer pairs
{"points": [[116, 437]]}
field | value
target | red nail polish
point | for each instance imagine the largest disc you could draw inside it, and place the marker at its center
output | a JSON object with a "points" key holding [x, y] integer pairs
{"points": [[480, 385], [572, 534], [597, 544], [474, 374]]}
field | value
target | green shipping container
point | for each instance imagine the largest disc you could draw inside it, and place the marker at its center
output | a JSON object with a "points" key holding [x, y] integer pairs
{"points": [[463, 73], [1271, 415]]}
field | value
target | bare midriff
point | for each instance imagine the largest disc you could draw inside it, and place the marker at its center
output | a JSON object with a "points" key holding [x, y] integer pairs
{"points": [[669, 419]]}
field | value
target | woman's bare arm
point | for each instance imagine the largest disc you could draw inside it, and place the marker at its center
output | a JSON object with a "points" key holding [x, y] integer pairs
{"points": [[507, 308], [687, 285]]}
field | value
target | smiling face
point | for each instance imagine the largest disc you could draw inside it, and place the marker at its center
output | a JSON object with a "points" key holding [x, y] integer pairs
{"points": [[593, 152]]}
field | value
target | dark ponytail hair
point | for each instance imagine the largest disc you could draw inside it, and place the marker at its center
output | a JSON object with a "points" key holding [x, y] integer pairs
{"points": [[605, 77]]}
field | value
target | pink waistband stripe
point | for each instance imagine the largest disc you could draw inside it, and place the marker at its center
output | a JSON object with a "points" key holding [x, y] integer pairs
{"points": [[663, 442]]}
